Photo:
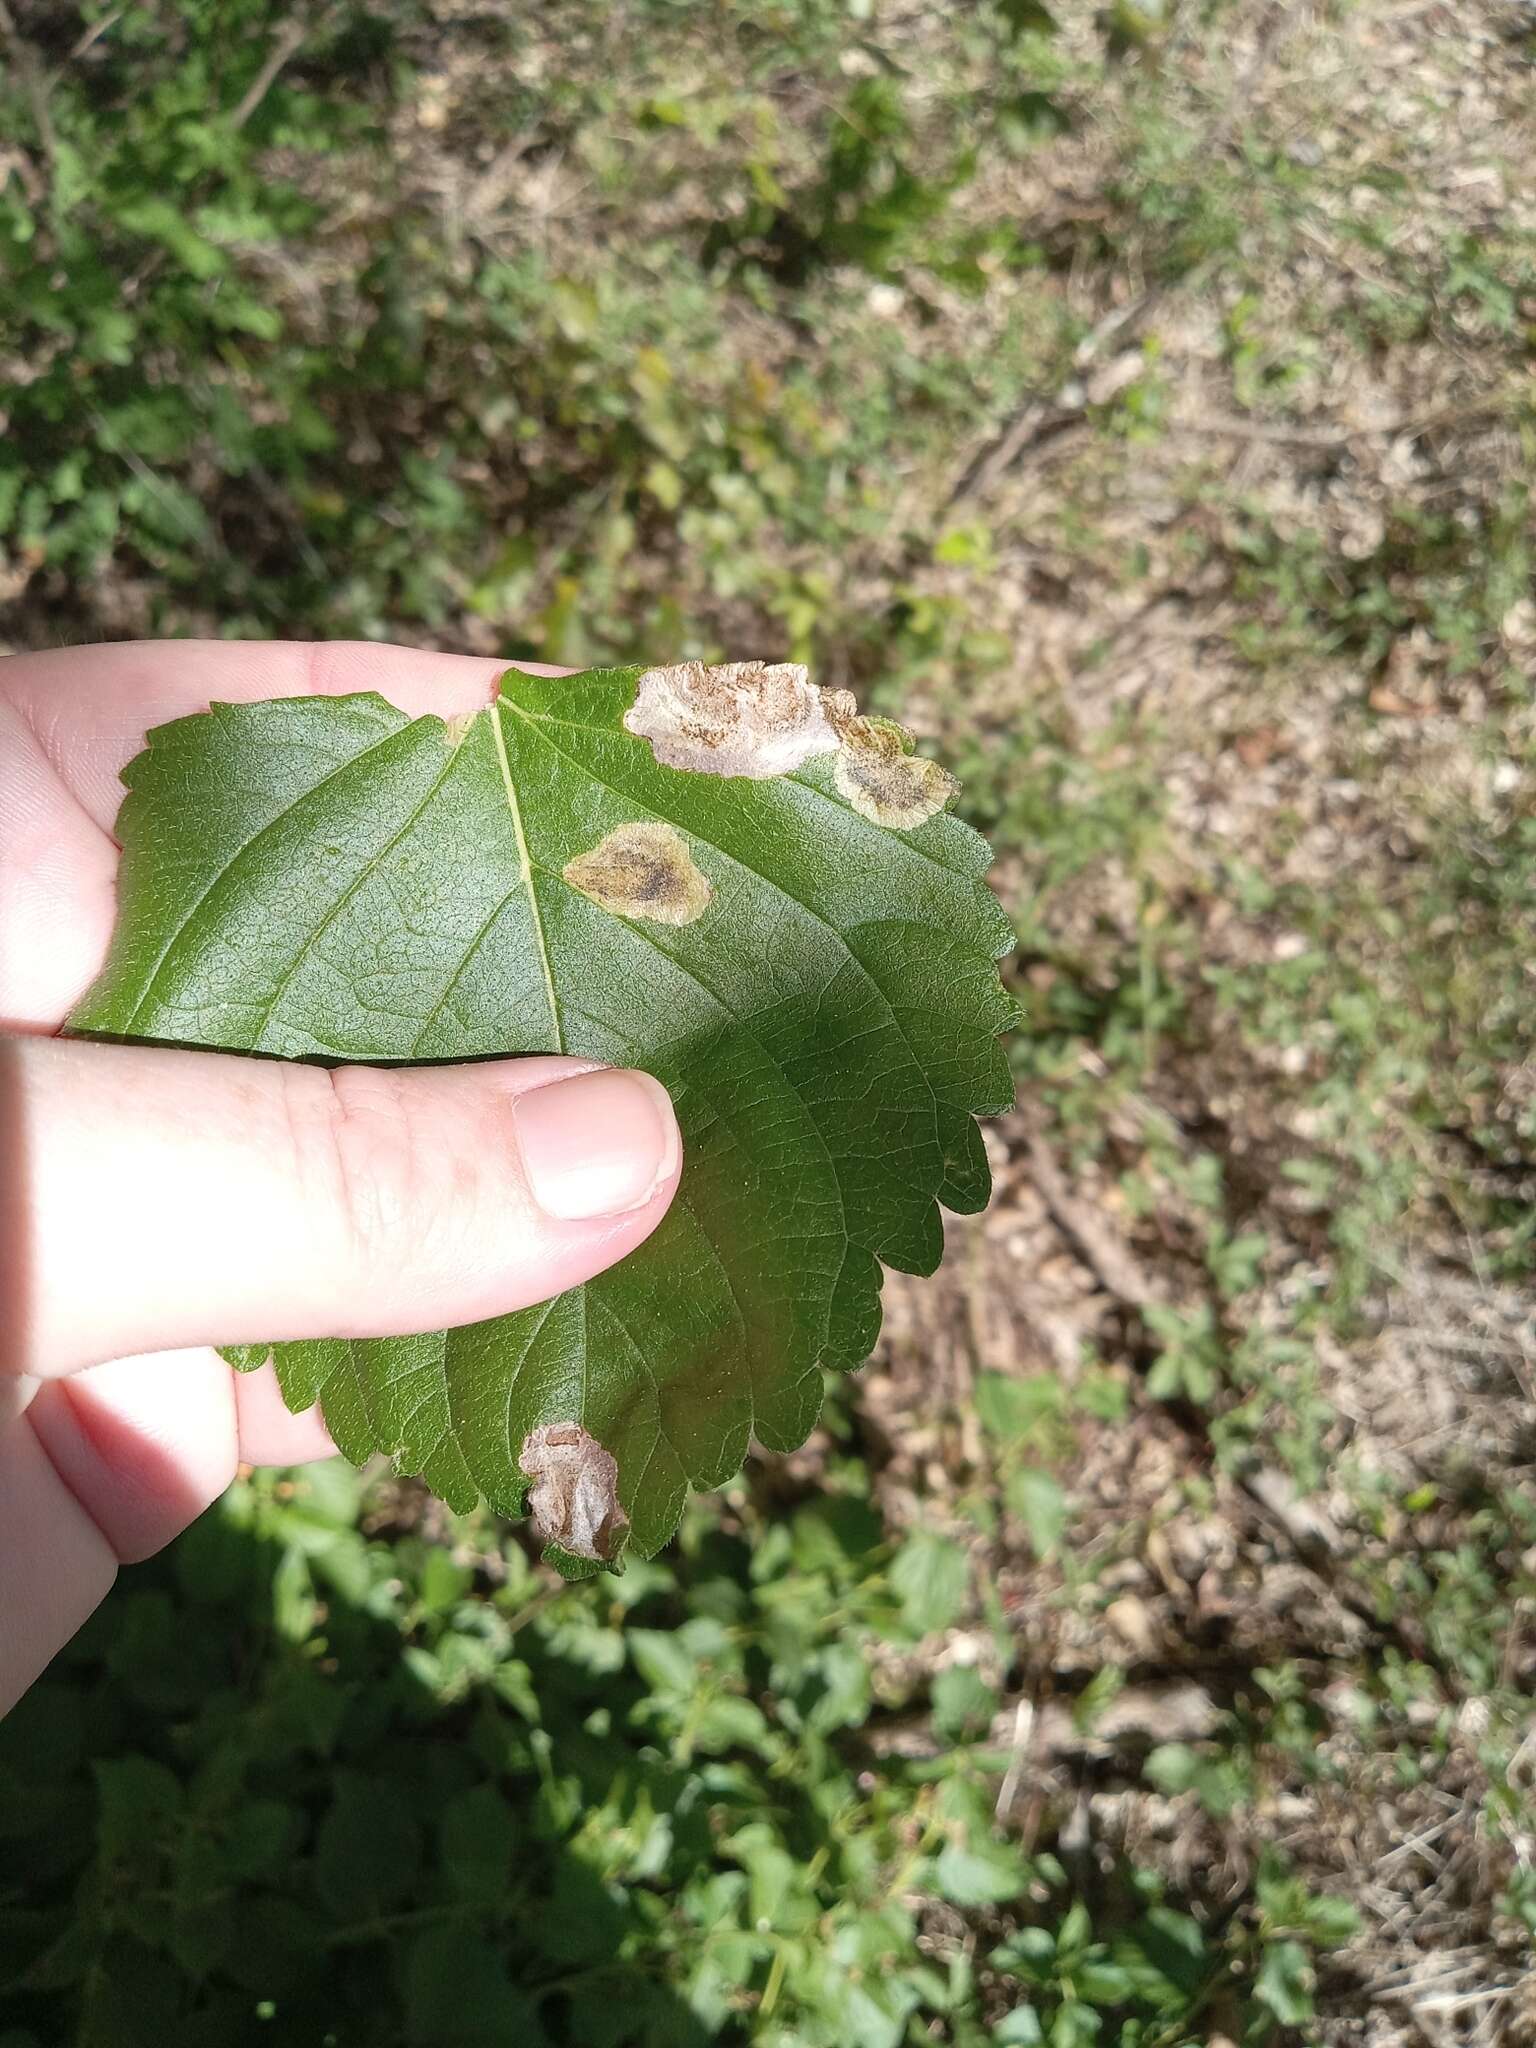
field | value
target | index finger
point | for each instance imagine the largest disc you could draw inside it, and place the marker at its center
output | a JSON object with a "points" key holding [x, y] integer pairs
{"points": [[90, 707]]}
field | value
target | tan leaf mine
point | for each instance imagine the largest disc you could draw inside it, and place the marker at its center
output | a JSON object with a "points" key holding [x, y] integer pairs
{"points": [[574, 1500], [762, 719], [884, 780], [752, 718], [643, 870]]}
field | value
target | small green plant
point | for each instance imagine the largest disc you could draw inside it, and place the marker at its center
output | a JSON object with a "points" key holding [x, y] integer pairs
{"points": [[411, 1787]]}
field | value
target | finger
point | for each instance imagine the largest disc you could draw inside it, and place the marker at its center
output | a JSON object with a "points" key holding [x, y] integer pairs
{"points": [[270, 1432], [90, 707], [161, 1198], [109, 1466], [142, 1444], [55, 1564], [57, 895], [16, 1392], [103, 1468]]}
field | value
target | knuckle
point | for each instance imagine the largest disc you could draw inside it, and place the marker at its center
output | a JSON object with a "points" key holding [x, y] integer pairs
{"points": [[359, 1151]]}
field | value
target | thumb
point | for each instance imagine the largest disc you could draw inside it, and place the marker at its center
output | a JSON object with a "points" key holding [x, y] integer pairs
{"points": [[157, 1198]]}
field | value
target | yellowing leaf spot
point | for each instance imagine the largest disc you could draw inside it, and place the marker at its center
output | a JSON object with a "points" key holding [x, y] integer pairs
{"points": [[574, 1500], [643, 870], [753, 718]]}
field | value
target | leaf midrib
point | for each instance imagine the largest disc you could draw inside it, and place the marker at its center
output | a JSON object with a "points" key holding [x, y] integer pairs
{"points": [[493, 711]]}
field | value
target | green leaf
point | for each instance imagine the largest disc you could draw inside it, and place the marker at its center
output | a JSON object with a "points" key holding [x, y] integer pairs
{"points": [[1219, 1782], [1013, 1409], [1287, 1905], [477, 1837], [327, 878], [1330, 1921], [1075, 2025], [1019, 2029], [367, 1849], [1172, 1768], [1103, 1983], [163, 220], [1284, 1982], [963, 1703], [929, 1576], [984, 1874], [1038, 1501], [257, 1835], [141, 1802], [458, 1991], [279, 1941], [1165, 1955], [586, 1921], [662, 1661]]}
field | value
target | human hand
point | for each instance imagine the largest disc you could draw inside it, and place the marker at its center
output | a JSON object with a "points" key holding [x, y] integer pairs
{"points": [[156, 1202]]}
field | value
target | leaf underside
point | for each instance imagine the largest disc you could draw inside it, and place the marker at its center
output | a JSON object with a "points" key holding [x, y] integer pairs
{"points": [[326, 878]]}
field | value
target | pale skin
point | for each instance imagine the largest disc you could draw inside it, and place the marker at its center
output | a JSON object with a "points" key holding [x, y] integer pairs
{"points": [[156, 1202]]}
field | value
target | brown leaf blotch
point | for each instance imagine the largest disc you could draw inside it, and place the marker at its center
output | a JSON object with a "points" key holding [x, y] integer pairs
{"points": [[753, 718], [643, 870], [884, 780], [574, 1500]]}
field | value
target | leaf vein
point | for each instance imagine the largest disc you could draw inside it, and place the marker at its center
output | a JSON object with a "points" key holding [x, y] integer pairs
{"points": [[247, 847], [369, 869]]}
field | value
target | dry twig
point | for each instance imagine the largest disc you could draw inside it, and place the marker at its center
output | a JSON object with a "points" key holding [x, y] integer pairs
{"points": [[285, 44]]}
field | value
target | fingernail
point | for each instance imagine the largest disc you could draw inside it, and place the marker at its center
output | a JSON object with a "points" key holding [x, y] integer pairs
{"points": [[597, 1145]]}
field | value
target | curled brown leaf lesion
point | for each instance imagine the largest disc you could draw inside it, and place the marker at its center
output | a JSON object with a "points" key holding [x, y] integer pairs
{"points": [[573, 1502], [763, 719], [644, 869]]}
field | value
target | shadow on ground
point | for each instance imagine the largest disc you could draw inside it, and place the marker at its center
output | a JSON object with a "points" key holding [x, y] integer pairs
{"points": [[234, 1812]]}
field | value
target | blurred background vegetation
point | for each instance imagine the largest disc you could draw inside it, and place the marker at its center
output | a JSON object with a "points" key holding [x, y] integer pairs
{"points": [[1139, 396]]}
